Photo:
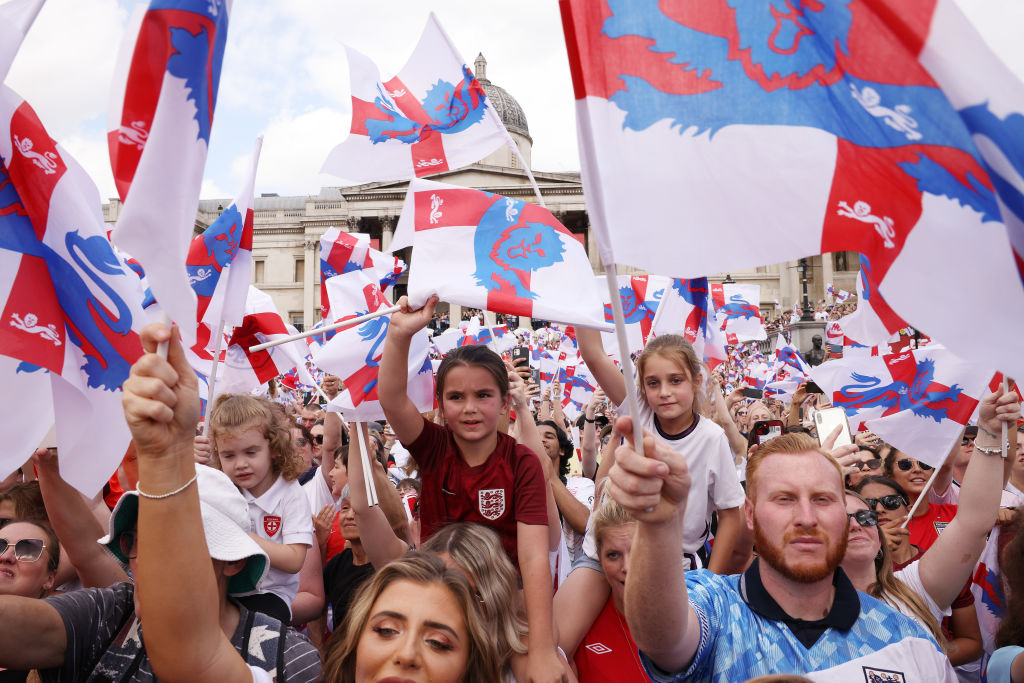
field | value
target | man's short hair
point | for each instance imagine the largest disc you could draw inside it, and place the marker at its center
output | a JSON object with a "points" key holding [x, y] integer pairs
{"points": [[792, 444]]}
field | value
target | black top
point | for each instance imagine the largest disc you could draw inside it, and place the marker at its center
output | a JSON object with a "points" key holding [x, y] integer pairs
{"points": [[844, 613], [342, 579]]}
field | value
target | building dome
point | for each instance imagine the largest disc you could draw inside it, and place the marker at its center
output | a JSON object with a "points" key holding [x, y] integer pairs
{"points": [[508, 109]]}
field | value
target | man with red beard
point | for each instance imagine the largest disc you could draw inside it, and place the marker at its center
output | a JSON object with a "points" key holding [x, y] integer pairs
{"points": [[792, 611]]}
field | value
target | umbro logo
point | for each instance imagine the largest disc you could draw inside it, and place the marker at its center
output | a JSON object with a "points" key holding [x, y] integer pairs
{"points": [[599, 648]]}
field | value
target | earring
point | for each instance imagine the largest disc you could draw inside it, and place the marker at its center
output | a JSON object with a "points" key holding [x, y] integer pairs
{"points": [[879, 555]]}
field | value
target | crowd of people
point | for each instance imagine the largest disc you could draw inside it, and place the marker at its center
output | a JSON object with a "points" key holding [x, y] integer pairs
{"points": [[503, 537]]}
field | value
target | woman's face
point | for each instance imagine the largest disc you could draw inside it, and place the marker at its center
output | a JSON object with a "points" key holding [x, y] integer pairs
{"points": [[339, 477], [914, 478], [858, 476], [347, 522], [303, 447], [415, 633], [874, 491], [25, 577], [863, 542], [614, 556]]}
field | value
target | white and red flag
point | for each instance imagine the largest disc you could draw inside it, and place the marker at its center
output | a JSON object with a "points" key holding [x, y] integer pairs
{"points": [[244, 371], [684, 310], [789, 362], [738, 310], [354, 354], [641, 297], [495, 253], [163, 98], [873, 129], [873, 323], [219, 260], [918, 400], [71, 308], [342, 252], [432, 117]]}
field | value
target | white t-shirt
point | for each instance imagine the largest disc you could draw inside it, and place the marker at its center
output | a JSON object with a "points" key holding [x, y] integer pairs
{"points": [[712, 470], [714, 484], [281, 515], [911, 576], [318, 493]]}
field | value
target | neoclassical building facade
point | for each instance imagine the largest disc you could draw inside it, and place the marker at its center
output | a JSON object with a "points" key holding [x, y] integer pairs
{"points": [[287, 230]]}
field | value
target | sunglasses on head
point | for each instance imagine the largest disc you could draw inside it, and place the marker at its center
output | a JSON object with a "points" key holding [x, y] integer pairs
{"points": [[872, 464], [26, 550], [907, 464], [891, 502], [127, 542], [864, 517]]}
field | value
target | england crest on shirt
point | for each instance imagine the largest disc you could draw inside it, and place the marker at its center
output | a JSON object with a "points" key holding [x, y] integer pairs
{"points": [[491, 503], [271, 524], [873, 675]]}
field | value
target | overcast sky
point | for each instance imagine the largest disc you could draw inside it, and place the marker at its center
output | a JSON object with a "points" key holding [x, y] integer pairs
{"points": [[285, 75]]}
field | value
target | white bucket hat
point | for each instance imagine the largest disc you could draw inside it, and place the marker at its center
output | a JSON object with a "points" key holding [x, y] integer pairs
{"points": [[225, 523]]}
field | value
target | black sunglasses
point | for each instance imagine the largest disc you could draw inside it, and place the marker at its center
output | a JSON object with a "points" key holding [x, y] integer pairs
{"points": [[127, 542], [26, 550], [890, 502], [300, 441], [872, 464], [907, 464], [319, 438], [966, 440], [864, 517]]}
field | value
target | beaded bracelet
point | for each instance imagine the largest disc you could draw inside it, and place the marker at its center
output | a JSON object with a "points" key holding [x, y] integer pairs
{"points": [[172, 493], [993, 451]]}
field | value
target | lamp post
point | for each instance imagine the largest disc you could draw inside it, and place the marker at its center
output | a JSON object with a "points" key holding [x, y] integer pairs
{"points": [[807, 315]]}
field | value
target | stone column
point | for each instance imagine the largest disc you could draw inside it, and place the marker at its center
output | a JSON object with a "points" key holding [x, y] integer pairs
{"points": [[310, 266], [387, 224], [353, 224], [827, 275]]}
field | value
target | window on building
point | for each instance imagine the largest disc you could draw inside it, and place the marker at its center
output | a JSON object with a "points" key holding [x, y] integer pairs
{"points": [[297, 320], [257, 270], [845, 260], [300, 269]]}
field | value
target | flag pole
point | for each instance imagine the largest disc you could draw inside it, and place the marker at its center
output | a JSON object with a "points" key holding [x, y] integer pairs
{"points": [[632, 401], [364, 458], [326, 328], [924, 494], [1004, 442], [213, 374]]}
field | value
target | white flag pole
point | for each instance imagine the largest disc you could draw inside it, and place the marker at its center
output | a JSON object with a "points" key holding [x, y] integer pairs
{"points": [[326, 328], [632, 400], [922, 496], [213, 375], [364, 455]]}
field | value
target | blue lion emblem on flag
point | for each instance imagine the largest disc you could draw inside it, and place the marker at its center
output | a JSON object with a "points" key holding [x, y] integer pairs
{"points": [[791, 357], [634, 309], [452, 108], [920, 397], [91, 326], [508, 249], [738, 307]]}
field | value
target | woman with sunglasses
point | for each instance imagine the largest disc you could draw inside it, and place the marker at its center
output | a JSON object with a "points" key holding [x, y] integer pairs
{"points": [[29, 555], [913, 475]]}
